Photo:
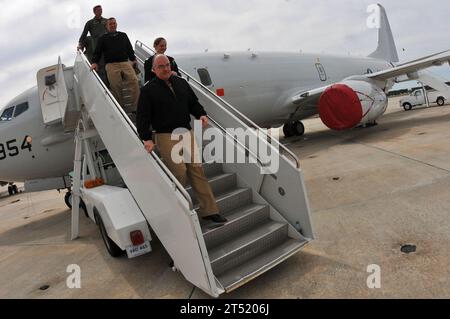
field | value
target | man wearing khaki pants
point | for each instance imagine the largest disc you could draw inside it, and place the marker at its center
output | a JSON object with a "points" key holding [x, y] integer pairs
{"points": [[120, 61], [166, 103]]}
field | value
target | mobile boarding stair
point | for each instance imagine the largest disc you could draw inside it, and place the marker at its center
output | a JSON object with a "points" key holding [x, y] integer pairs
{"points": [[268, 214]]}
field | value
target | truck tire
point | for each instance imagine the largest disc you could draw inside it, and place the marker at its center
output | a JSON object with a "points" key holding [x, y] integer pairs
{"points": [[407, 106], [440, 101], [68, 200], [111, 246]]}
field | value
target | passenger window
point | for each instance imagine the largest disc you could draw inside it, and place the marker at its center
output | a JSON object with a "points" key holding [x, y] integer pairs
{"points": [[205, 78], [20, 109], [322, 74], [7, 114]]}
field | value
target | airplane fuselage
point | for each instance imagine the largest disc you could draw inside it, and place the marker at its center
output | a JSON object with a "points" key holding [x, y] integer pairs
{"points": [[31, 150], [259, 85]]}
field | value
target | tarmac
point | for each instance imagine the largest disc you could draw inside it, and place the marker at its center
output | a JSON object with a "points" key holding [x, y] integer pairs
{"points": [[371, 191]]}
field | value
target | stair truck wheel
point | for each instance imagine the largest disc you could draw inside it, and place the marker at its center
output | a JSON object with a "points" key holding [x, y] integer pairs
{"points": [[68, 200], [111, 246]]}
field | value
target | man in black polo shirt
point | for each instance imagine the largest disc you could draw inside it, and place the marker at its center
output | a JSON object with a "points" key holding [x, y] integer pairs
{"points": [[166, 104], [120, 61]]}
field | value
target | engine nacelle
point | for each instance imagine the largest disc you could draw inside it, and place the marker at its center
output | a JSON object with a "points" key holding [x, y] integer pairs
{"points": [[350, 103]]}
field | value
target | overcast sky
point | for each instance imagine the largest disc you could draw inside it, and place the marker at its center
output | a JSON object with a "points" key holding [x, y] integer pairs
{"points": [[35, 33]]}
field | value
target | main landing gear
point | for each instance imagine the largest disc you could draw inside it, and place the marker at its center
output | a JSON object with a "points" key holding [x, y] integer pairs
{"points": [[295, 128]]}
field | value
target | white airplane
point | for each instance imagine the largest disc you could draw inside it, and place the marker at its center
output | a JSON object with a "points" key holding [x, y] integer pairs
{"points": [[272, 89]]}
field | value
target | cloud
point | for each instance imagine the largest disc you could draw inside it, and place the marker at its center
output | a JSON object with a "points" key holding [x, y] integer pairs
{"points": [[34, 33]]}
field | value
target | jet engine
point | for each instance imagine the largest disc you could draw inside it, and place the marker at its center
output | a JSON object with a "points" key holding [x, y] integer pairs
{"points": [[350, 103]]}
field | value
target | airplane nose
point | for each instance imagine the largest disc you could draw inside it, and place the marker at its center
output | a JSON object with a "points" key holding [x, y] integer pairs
{"points": [[340, 108]]}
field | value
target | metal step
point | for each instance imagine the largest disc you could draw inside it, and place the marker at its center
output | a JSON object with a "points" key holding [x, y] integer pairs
{"points": [[247, 271], [212, 169], [219, 184], [233, 199], [247, 246], [240, 221]]}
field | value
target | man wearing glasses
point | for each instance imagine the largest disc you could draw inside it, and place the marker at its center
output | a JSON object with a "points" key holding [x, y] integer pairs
{"points": [[166, 104]]}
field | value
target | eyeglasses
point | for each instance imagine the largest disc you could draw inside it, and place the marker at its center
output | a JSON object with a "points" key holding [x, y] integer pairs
{"points": [[163, 66]]}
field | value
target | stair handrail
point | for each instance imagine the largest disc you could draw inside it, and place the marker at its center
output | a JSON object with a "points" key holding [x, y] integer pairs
{"points": [[236, 114], [169, 174], [220, 127]]}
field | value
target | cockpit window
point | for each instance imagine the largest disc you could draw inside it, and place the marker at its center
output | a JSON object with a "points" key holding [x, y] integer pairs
{"points": [[7, 114], [20, 109]]}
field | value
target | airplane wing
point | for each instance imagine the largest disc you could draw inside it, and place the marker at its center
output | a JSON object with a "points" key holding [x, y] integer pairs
{"points": [[411, 67], [311, 97]]}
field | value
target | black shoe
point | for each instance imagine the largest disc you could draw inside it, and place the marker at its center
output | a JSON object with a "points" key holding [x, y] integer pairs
{"points": [[216, 219]]}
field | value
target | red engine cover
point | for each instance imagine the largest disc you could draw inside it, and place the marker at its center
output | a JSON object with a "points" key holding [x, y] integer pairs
{"points": [[340, 108]]}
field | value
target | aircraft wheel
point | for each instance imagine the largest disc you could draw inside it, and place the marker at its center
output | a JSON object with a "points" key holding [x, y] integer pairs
{"points": [[289, 130], [111, 246], [299, 128], [407, 106], [440, 101]]}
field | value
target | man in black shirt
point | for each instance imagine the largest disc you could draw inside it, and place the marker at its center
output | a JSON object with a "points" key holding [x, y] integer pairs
{"points": [[166, 104], [120, 61]]}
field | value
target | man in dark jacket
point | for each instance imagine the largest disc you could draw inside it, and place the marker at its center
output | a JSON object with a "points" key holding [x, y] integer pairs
{"points": [[120, 62], [166, 104]]}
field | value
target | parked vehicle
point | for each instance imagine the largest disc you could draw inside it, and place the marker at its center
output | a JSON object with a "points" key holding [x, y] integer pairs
{"points": [[417, 98]]}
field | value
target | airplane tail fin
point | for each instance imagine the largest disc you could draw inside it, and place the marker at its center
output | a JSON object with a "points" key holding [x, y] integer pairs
{"points": [[386, 45]]}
